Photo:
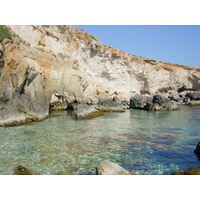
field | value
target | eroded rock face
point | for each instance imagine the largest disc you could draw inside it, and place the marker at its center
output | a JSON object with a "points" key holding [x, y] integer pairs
{"points": [[107, 167], [39, 60]]}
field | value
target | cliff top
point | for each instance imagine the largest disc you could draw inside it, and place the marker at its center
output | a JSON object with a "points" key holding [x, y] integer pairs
{"points": [[77, 37]]}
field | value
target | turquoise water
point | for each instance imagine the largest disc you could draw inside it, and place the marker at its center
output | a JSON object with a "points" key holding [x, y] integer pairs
{"points": [[142, 142]]}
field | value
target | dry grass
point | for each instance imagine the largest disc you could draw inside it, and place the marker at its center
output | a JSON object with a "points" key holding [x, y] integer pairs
{"points": [[143, 91], [84, 37], [150, 61], [128, 59], [116, 53], [173, 67]]}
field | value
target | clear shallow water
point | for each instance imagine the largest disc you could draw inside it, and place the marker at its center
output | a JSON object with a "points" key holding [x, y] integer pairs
{"points": [[140, 141]]}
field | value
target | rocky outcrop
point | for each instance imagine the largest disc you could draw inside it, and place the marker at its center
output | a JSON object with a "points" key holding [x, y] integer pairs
{"points": [[84, 111], [152, 103], [162, 103], [197, 150], [107, 167], [193, 96], [39, 60], [141, 101], [112, 105], [191, 171]]}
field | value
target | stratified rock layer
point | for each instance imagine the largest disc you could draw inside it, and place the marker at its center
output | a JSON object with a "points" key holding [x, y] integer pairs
{"points": [[39, 60]]}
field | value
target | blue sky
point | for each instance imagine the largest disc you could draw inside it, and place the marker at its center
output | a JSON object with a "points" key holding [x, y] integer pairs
{"points": [[179, 44]]}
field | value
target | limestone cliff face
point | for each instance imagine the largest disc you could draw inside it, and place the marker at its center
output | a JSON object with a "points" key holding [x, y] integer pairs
{"points": [[39, 60]]}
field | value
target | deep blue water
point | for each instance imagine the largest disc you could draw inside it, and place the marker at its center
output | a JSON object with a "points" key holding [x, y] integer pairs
{"points": [[142, 142]]}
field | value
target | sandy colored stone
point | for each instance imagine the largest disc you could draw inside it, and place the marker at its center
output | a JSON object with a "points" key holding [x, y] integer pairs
{"points": [[41, 59]]}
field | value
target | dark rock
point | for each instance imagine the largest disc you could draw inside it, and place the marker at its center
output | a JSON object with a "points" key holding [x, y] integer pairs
{"points": [[126, 104], [193, 95], [152, 103], [162, 103], [175, 97], [186, 100], [191, 171], [111, 105], [21, 170], [160, 99], [107, 167], [197, 150], [140, 101], [1, 58]]}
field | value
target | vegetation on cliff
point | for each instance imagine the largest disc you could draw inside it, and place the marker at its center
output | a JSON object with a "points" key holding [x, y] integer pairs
{"points": [[4, 33]]}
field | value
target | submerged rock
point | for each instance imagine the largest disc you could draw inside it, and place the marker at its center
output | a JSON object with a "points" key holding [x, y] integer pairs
{"points": [[191, 171], [21, 170], [107, 167], [29, 133]]}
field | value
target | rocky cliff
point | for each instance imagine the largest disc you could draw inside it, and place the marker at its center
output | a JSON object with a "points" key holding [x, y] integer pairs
{"points": [[39, 60]]}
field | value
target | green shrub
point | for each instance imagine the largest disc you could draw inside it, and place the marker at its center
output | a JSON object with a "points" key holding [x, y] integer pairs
{"points": [[4, 33]]}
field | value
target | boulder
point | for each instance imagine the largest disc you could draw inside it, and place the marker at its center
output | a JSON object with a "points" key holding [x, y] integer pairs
{"points": [[175, 97], [107, 167], [197, 150], [84, 111], [139, 101], [162, 103], [152, 103], [111, 105], [191, 171], [193, 95], [60, 101]]}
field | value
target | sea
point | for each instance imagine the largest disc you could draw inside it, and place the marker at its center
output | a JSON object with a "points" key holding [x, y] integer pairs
{"points": [[143, 142]]}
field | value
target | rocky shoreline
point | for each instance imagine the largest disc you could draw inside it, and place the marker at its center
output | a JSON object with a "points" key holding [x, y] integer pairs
{"points": [[94, 107], [91, 108], [62, 62]]}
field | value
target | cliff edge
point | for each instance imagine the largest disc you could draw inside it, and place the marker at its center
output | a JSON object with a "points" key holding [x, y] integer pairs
{"points": [[36, 61]]}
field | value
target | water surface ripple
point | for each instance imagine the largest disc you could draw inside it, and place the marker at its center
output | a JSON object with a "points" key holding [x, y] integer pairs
{"points": [[140, 141]]}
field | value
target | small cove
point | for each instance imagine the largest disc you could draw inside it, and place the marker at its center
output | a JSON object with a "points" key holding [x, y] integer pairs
{"points": [[142, 142]]}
